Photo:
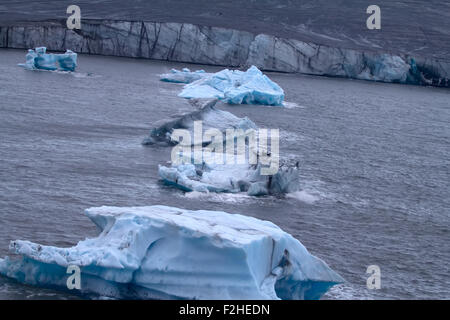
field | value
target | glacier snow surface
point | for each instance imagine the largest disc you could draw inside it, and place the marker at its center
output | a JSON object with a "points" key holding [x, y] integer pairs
{"points": [[170, 253]]}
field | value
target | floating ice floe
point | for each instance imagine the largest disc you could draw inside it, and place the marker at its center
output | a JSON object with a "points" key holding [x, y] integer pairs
{"points": [[209, 164], [215, 168], [236, 87], [161, 252], [183, 76], [206, 112], [232, 178], [39, 59]]}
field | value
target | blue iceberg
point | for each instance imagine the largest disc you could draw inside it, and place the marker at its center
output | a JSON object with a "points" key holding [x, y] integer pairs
{"points": [[39, 59], [160, 252], [236, 87], [183, 76]]}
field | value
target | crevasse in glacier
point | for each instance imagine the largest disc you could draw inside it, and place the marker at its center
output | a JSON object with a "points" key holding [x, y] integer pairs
{"points": [[39, 59], [183, 76], [170, 253], [236, 87]]}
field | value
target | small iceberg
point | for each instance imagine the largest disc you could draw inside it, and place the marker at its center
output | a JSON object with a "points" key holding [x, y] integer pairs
{"points": [[160, 252], [231, 178], [38, 59], [236, 87], [183, 76], [215, 151], [206, 112]]}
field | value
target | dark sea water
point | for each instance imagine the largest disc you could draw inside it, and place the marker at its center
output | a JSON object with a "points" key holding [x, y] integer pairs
{"points": [[374, 160]]}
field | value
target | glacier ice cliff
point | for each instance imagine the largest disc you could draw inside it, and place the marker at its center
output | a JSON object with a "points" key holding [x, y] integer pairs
{"points": [[39, 59], [190, 43], [237, 87], [161, 252], [204, 111], [182, 76]]}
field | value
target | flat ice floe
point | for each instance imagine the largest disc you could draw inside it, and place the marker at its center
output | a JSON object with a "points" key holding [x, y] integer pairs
{"points": [[170, 253], [183, 76], [38, 59], [236, 87]]}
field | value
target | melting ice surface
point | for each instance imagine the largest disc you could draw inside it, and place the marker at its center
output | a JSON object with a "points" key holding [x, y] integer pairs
{"points": [[236, 87], [39, 59], [170, 253], [183, 76]]}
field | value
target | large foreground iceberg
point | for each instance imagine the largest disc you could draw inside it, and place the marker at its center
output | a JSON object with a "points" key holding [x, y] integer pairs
{"points": [[170, 253], [237, 87], [206, 112], [183, 76], [39, 59]]}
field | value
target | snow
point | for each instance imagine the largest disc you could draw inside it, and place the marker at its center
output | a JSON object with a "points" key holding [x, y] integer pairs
{"points": [[236, 87], [171, 253], [39, 59], [206, 112], [183, 76]]}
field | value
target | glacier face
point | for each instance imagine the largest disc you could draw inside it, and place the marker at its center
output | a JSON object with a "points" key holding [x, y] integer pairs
{"points": [[226, 47], [170, 253], [237, 87], [183, 76], [39, 59]]}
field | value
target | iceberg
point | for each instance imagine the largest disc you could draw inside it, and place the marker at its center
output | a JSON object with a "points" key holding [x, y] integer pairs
{"points": [[183, 76], [39, 59], [231, 178], [160, 252], [206, 112], [210, 169], [236, 87]]}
